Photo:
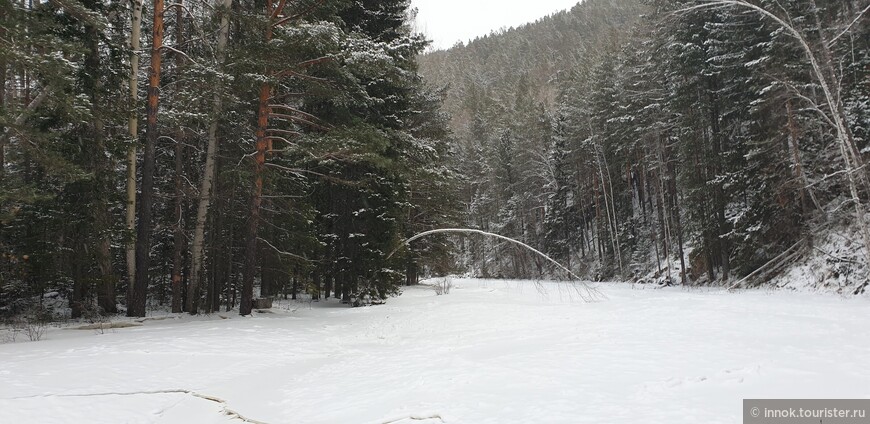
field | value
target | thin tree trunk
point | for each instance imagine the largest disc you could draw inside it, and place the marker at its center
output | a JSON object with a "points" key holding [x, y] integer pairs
{"points": [[214, 286], [705, 232], [103, 255], [270, 280], [2, 103], [675, 209], [826, 78], [178, 233], [295, 288], [143, 230], [228, 252], [805, 189], [666, 231], [133, 127], [719, 201], [178, 237], [328, 279], [232, 296], [827, 64], [250, 267], [848, 149], [599, 244], [25, 75], [660, 215], [608, 202], [2, 109], [617, 247], [77, 297], [102, 169], [205, 190]]}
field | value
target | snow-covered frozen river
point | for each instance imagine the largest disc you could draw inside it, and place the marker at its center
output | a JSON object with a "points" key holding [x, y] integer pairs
{"points": [[489, 352]]}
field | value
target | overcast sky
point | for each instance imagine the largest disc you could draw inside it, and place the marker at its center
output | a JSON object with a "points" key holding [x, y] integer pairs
{"points": [[448, 21]]}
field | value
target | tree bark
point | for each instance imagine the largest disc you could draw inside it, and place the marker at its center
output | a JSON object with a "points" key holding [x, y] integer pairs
{"points": [[102, 251], [133, 128], [250, 267], [136, 305], [663, 219], [178, 236], [228, 282], [77, 295], [852, 157], [827, 63], [205, 190], [721, 244], [807, 196], [102, 170], [295, 288], [609, 207], [2, 105], [214, 285], [675, 211]]}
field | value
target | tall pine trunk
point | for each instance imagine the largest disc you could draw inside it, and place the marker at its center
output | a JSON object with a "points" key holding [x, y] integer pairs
{"points": [[263, 112], [133, 128], [250, 267], [2, 103], [102, 172], [143, 230]]}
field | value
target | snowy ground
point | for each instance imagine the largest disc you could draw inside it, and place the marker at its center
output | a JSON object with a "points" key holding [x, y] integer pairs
{"points": [[489, 352]]}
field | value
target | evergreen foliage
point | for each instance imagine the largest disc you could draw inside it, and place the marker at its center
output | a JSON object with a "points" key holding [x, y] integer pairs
{"points": [[354, 160], [689, 142]]}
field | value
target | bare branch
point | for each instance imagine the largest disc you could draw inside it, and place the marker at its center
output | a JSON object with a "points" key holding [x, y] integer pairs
{"points": [[848, 28], [278, 9], [174, 50], [281, 252]]}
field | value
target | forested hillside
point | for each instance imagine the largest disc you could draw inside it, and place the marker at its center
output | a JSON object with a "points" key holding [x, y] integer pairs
{"points": [[586, 217], [675, 141], [277, 147], [193, 155]]}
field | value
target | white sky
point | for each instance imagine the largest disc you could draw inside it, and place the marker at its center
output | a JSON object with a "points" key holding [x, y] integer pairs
{"points": [[448, 21]]}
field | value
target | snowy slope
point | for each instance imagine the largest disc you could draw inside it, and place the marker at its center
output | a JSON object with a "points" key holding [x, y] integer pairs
{"points": [[489, 352], [837, 263]]}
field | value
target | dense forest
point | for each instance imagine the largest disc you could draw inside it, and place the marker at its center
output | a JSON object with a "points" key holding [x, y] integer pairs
{"points": [[192, 155], [195, 156], [677, 142]]}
